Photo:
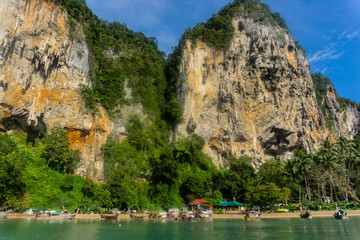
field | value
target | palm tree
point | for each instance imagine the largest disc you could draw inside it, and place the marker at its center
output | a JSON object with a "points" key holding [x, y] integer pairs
{"points": [[346, 154], [301, 165], [327, 159]]}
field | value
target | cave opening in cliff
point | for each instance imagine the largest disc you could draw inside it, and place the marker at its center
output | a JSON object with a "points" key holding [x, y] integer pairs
{"points": [[19, 124]]}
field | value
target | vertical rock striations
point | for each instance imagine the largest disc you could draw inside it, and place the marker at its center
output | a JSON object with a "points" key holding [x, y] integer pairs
{"points": [[257, 98], [40, 72]]}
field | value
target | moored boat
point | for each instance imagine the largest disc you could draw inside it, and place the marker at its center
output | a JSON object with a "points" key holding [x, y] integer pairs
{"points": [[340, 213], [173, 213], [187, 216], [252, 215], [109, 216], [51, 216], [204, 214], [162, 215], [304, 213]]}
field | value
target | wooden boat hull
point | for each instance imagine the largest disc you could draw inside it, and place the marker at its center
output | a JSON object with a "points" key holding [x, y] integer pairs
{"points": [[204, 216], [252, 215], [56, 217], [305, 214], [109, 216], [187, 216]]}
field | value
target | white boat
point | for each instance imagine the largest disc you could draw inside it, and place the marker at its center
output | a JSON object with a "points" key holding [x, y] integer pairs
{"points": [[204, 214], [187, 216], [173, 213]]}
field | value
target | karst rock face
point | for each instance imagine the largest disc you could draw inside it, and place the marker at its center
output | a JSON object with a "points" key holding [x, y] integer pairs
{"points": [[40, 72], [255, 99]]}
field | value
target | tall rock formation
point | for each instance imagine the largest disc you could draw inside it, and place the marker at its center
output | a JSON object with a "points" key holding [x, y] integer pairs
{"points": [[40, 72], [255, 99]]}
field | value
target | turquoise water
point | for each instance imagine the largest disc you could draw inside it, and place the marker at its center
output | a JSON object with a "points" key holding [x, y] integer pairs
{"points": [[317, 228]]}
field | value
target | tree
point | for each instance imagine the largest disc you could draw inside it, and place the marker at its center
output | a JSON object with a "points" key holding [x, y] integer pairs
{"points": [[300, 165], [326, 158], [7, 144], [12, 185], [136, 132], [233, 181], [57, 152], [174, 111], [267, 195], [273, 171]]}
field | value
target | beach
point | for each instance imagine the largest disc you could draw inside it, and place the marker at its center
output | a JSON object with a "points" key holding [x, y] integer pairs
{"points": [[315, 214]]}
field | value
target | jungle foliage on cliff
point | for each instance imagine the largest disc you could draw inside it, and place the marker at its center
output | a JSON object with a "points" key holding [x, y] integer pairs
{"points": [[119, 56], [145, 172], [218, 31]]}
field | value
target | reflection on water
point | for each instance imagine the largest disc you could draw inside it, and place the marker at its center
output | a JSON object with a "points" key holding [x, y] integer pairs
{"points": [[317, 228]]}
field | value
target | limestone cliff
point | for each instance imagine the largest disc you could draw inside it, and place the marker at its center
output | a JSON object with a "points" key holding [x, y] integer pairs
{"points": [[257, 98], [342, 119], [40, 72]]}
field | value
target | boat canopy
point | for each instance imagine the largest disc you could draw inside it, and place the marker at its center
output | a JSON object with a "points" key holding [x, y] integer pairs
{"points": [[231, 204], [199, 202]]}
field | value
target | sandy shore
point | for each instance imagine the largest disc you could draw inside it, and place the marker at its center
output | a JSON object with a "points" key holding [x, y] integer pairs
{"points": [[319, 214], [314, 214], [79, 216]]}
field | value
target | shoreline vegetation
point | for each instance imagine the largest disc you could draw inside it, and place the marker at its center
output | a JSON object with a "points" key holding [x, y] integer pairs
{"points": [[314, 214], [148, 170]]}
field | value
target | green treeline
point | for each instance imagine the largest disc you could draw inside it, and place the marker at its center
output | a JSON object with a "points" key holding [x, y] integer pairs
{"points": [[146, 172]]}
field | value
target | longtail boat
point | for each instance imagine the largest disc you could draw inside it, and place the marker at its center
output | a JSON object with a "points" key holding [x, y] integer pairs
{"points": [[109, 216]]}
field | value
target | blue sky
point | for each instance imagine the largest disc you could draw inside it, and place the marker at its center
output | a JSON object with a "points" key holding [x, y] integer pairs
{"points": [[329, 30]]}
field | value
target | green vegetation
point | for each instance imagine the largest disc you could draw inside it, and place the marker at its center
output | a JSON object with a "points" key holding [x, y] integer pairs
{"points": [[118, 55], [145, 172], [218, 31], [36, 175]]}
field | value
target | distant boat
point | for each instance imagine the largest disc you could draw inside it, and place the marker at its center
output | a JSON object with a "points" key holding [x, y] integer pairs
{"points": [[204, 214], [173, 213], [340, 213], [305, 213], [187, 216], [55, 216], [109, 216], [252, 215], [162, 215]]}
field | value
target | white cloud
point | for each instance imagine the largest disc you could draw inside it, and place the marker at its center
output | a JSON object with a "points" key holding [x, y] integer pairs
{"points": [[352, 35], [328, 53], [334, 50], [342, 35]]}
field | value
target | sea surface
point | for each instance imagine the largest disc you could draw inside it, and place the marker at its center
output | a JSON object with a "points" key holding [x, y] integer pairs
{"points": [[218, 229]]}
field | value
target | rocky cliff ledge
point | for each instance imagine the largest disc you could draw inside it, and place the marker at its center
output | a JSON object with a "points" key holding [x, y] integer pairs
{"points": [[255, 99], [40, 72]]}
